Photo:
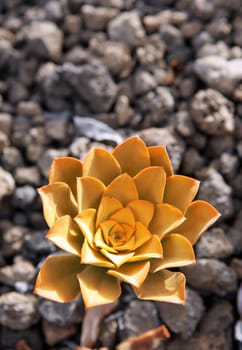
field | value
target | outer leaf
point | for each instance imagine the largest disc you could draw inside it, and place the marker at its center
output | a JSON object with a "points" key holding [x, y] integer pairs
{"points": [[199, 216], [122, 188], [166, 218], [57, 200], [178, 252], [132, 155], [180, 191], [100, 164], [97, 287], [57, 279], [86, 222], [159, 157], [133, 273], [66, 235], [143, 211], [89, 192], [163, 286], [150, 183], [66, 170]]}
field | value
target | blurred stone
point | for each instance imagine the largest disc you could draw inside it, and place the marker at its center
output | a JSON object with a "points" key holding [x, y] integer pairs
{"points": [[6, 121], [13, 239], [214, 244], [192, 161], [183, 319], [7, 183], [123, 110], [27, 175], [143, 82], [54, 334], [97, 18], [44, 39], [24, 196], [236, 265], [117, 58], [211, 276], [21, 340], [36, 245], [56, 126], [21, 271], [127, 27], [212, 112], [18, 311]]}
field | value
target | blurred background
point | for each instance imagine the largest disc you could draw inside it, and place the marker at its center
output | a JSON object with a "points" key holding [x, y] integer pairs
{"points": [[80, 73]]}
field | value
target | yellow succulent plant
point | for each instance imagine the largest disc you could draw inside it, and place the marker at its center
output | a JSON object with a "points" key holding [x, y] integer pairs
{"points": [[120, 216]]}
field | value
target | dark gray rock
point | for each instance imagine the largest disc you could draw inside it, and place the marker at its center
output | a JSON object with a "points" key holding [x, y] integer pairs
{"points": [[211, 276], [24, 196], [97, 18], [18, 311], [21, 271], [93, 83], [183, 319], [12, 241]]}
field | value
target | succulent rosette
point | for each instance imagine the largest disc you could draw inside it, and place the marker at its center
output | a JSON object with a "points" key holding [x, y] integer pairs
{"points": [[120, 216]]}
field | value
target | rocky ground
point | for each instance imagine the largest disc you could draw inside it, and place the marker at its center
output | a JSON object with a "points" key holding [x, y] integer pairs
{"points": [[80, 73]]}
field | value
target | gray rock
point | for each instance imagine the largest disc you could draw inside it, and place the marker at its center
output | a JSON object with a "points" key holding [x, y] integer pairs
{"points": [[117, 58], [184, 124], [7, 183], [61, 315], [93, 83], [72, 24], [140, 316], [4, 141], [97, 18], [123, 110], [21, 271], [79, 147], [214, 190], [152, 51], [27, 175], [218, 73], [56, 126], [212, 112], [203, 9], [228, 165], [183, 319], [36, 245], [29, 108], [96, 130], [53, 11], [44, 39], [236, 265], [13, 238], [143, 82], [211, 276], [18, 311], [214, 244], [24, 196], [167, 137], [172, 37], [6, 121], [127, 27], [192, 161]]}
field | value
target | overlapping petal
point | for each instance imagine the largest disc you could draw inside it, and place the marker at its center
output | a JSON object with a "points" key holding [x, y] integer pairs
{"points": [[132, 155], [199, 216], [97, 287], [163, 286], [178, 251], [66, 235], [57, 200], [159, 157], [86, 222], [57, 279], [122, 188], [143, 211], [90, 256], [66, 169], [89, 192], [133, 273], [180, 191], [151, 249], [150, 183], [107, 207], [165, 219], [100, 164]]}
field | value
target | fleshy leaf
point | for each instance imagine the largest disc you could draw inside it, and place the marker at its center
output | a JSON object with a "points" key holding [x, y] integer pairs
{"points": [[57, 200], [86, 222], [150, 183], [102, 165], [91, 256], [97, 287], [143, 211], [132, 155], [151, 249], [165, 219], [57, 279], [117, 259], [66, 169], [142, 234], [178, 252], [89, 192], [199, 216], [160, 157], [122, 188], [107, 207], [163, 286], [180, 191], [133, 273], [66, 235], [124, 216]]}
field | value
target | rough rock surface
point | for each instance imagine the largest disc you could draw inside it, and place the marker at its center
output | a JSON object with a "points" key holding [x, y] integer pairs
{"points": [[81, 73]]}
